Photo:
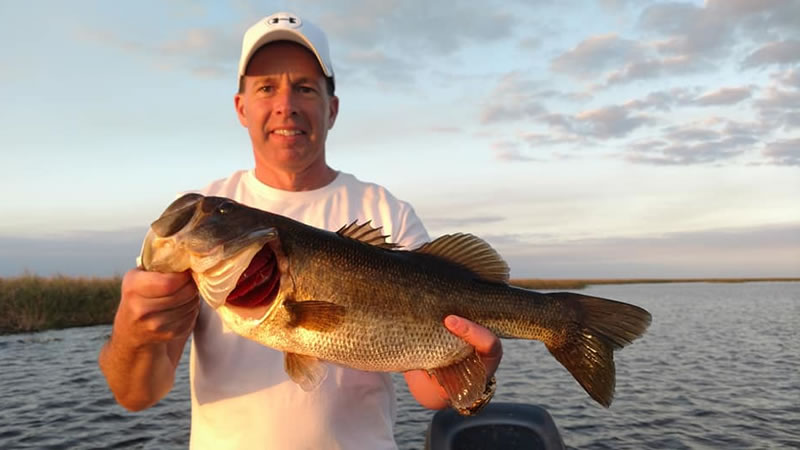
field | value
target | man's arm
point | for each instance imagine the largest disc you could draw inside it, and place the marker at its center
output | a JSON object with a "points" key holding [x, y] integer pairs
{"points": [[156, 315], [427, 391]]}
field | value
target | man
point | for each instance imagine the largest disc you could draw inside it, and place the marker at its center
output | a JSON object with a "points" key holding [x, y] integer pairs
{"points": [[241, 396]]}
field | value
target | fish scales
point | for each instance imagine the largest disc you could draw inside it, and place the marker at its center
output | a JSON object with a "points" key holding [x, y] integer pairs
{"points": [[397, 301]]}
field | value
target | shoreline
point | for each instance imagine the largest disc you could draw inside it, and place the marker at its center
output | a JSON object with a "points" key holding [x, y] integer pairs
{"points": [[31, 303], [581, 283]]}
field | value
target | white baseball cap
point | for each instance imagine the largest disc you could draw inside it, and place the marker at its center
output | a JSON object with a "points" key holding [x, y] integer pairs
{"points": [[284, 26]]}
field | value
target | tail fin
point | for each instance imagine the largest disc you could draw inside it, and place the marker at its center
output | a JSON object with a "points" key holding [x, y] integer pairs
{"points": [[587, 352]]}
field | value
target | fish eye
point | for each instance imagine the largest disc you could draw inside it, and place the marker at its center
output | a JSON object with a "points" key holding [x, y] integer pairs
{"points": [[225, 207]]}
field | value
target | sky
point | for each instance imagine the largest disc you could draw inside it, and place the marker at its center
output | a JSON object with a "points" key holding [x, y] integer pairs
{"points": [[581, 139]]}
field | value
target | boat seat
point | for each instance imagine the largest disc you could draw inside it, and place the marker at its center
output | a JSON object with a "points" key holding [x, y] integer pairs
{"points": [[506, 426]]}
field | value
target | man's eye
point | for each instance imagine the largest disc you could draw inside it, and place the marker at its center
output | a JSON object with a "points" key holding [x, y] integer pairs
{"points": [[266, 88], [305, 89]]}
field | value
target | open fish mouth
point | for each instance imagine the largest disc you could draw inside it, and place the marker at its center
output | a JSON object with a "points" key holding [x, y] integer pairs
{"points": [[258, 285]]}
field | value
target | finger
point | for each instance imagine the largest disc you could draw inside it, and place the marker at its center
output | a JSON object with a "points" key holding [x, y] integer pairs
{"points": [[419, 377], [172, 323], [484, 341], [178, 312], [187, 294], [184, 325], [154, 284]]}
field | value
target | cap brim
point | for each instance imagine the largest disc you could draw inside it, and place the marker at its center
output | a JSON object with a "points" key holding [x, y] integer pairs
{"points": [[283, 35]]}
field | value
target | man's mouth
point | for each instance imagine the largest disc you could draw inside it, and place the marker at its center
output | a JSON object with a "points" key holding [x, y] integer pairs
{"points": [[287, 132]]}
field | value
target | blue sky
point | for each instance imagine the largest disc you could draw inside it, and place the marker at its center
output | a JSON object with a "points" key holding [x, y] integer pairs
{"points": [[605, 138]]}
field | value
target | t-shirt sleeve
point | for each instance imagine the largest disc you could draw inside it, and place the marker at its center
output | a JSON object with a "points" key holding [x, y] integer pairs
{"points": [[411, 232]]}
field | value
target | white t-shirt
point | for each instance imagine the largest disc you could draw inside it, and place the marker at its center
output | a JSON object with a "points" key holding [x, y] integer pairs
{"points": [[241, 395]]}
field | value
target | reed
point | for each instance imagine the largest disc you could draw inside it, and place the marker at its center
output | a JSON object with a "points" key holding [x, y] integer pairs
{"points": [[34, 303]]}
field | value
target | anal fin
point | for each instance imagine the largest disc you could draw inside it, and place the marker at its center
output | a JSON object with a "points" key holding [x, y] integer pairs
{"points": [[306, 371], [464, 381]]}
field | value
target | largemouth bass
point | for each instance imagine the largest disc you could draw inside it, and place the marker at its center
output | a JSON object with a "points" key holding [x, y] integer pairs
{"points": [[351, 298]]}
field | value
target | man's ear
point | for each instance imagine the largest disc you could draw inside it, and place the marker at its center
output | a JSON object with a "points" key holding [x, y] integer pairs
{"points": [[333, 111], [238, 103]]}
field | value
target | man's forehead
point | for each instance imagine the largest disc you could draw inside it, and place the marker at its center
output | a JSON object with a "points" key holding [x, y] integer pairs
{"points": [[282, 57]]}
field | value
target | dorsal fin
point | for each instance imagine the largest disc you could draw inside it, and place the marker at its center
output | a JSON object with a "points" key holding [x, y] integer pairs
{"points": [[367, 234], [470, 252]]}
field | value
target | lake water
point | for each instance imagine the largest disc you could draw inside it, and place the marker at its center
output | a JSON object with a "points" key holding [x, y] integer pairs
{"points": [[718, 368]]}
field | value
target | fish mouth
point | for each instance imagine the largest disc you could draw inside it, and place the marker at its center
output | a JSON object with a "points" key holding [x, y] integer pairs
{"points": [[259, 284]]}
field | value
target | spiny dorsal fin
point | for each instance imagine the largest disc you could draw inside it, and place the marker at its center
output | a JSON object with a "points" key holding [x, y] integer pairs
{"points": [[470, 252], [366, 234]]}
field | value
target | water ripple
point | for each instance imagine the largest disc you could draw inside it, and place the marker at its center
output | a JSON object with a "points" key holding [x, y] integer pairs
{"points": [[717, 369]]}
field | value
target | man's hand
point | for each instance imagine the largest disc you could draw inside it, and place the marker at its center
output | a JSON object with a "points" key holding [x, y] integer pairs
{"points": [[155, 308], [157, 313], [427, 391]]}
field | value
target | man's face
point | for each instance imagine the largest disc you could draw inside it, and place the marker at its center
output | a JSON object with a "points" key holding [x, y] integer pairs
{"points": [[286, 108]]}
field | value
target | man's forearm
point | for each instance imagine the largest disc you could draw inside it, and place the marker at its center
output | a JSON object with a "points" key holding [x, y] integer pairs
{"points": [[138, 377]]}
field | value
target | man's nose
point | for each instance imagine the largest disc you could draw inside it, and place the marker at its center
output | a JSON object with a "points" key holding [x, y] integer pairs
{"points": [[285, 102]]}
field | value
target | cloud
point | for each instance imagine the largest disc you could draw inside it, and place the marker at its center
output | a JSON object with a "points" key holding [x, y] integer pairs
{"points": [[756, 129], [657, 67], [761, 251], [692, 134], [779, 107], [777, 98], [537, 140], [664, 100], [688, 39], [712, 141], [789, 78], [510, 151], [717, 26], [677, 153], [608, 122], [783, 152], [438, 28], [446, 130], [724, 96], [531, 43], [414, 32], [379, 64], [596, 53], [512, 111], [782, 52], [460, 222], [203, 52], [513, 98]]}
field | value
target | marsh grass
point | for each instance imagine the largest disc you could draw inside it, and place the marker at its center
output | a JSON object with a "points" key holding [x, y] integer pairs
{"points": [[34, 303]]}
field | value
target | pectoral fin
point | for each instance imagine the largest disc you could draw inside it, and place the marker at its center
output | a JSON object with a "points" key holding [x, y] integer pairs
{"points": [[315, 315], [464, 381], [306, 371]]}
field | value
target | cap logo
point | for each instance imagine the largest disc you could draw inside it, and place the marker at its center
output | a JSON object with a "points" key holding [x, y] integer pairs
{"points": [[290, 21]]}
